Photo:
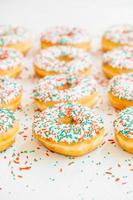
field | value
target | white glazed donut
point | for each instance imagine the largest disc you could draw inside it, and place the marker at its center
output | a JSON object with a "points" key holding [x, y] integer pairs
{"points": [[120, 91], [118, 61], [64, 88], [60, 35], [123, 126], [15, 37], [10, 93], [9, 126], [69, 129], [62, 59], [10, 62], [118, 35]]}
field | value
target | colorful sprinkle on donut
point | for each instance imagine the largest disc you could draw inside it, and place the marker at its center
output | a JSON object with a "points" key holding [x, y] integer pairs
{"points": [[48, 59], [122, 34], [7, 119], [9, 89], [121, 86], [86, 123], [9, 58], [76, 88], [12, 35], [65, 35], [121, 58], [124, 122]]}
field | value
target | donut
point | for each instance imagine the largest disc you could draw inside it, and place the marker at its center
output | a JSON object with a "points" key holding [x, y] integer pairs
{"points": [[118, 61], [9, 126], [51, 90], [69, 129], [68, 36], [10, 93], [62, 60], [10, 62], [117, 36], [120, 91], [123, 126], [15, 37]]}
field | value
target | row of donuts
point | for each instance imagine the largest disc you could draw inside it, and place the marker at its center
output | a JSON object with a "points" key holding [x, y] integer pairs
{"points": [[13, 42], [66, 59], [66, 82], [20, 39], [63, 40], [51, 90], [69, 129]]}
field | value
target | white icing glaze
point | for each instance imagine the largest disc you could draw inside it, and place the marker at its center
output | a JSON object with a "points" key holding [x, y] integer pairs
{"points": [[87, 123], [121, 58], [66, 35], [7, 119], [12, 35], [121, 86], [124, 122], [120, 34]]}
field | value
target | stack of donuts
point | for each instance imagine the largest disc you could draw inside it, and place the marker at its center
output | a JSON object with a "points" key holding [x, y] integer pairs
{"points": [[66, 92]]}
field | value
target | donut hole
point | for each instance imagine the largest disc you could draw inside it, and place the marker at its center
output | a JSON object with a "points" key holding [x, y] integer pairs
{"points": [[64, 87], [66, 120], [65, 58]]}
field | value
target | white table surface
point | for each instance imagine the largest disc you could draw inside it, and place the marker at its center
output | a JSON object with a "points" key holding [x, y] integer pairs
{"points": [[106, 173]]}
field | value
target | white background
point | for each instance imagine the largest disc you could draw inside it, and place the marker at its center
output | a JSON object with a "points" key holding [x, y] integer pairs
{"points": [[55, 177], [94, 14]]}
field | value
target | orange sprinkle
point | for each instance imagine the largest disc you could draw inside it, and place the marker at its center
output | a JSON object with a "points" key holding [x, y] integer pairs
{"points": [[108, 173], [19, 176], [61, 169], [24, 168], [117, 179], [16, 162], [70, 163]]}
